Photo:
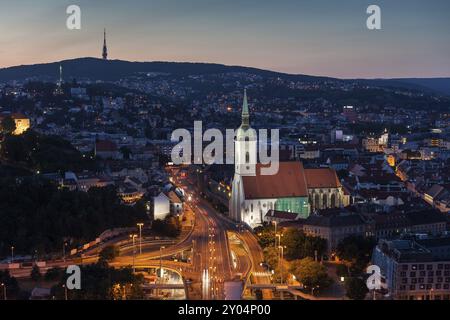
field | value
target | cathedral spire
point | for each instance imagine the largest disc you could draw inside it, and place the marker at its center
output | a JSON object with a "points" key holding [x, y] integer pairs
{"points": [[105, 49], [245, 112]]}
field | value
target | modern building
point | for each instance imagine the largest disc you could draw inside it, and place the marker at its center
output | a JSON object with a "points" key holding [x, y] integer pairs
{"points": [[414, 269]]}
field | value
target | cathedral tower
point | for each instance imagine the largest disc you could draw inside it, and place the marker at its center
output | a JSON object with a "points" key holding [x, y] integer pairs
{"points": [[245, 147]]}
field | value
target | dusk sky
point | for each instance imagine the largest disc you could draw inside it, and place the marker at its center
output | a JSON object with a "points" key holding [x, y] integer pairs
{"points": [[310, 37]]}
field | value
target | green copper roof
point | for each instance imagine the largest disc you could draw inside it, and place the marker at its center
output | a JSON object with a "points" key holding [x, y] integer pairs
{"points": [[245, 113], [245, 104]]}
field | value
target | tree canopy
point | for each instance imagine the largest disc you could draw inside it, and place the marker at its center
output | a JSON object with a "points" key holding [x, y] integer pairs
{"points": [[7, 125], [102, 282], [299, 245], [36, 215], [310, 273], [44, 153], [356, 288]]}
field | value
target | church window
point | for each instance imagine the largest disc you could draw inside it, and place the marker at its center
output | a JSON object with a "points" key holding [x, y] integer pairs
{"points": [[251, 207], [333, 201], [247, 157], [325, 204], [317, 202]]}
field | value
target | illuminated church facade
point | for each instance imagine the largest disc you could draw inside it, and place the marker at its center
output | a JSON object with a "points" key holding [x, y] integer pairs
{"points": [[293, 189]]}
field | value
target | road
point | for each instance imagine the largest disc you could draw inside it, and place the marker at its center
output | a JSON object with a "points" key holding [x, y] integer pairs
{"points": [[210, 251]]}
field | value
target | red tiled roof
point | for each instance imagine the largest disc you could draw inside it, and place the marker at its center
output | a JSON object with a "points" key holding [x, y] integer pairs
{"points": [[105, 146], [288, 182], [322, 178]]}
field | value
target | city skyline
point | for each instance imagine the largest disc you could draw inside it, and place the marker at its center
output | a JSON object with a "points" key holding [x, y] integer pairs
{"points": [[292, 37]]}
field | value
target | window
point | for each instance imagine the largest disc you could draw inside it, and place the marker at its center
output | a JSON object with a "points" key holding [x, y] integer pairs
{"points": [[414, 267], [412, 287], [429, 267], [430, 280], [317, 201], [333, 201], [422, 273], [247, 157], [405, 267], [421, 266], [412, 274]]}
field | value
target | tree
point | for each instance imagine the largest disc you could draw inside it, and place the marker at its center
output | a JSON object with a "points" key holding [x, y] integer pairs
{"points": [[310, 273], [35, 273], [101, 282], [356, 288], [266, 236], [8, 125], [54, 274], [109, 253], [356, 249], [34, 211], [299, 245], [271, 257], [169, 227]]}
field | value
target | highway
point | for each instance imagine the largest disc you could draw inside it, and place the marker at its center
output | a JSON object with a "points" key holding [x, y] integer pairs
{"points": [[207, 242]]}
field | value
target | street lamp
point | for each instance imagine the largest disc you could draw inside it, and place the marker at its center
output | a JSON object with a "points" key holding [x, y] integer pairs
{"points": [[4, 290], [140, 225], [64, 251], [277, 235], [275, 225], [160, 262], [12, 254], [133, 237], [281, 262], [65, 292]]}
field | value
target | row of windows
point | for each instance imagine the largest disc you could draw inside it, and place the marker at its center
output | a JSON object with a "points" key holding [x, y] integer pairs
{"points": [[438, 273], [426, 297], [413, 287], [422, 280], [440, 266]]}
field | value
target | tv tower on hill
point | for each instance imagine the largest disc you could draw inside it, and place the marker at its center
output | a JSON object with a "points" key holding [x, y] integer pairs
{"points": [[105, 48]]}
